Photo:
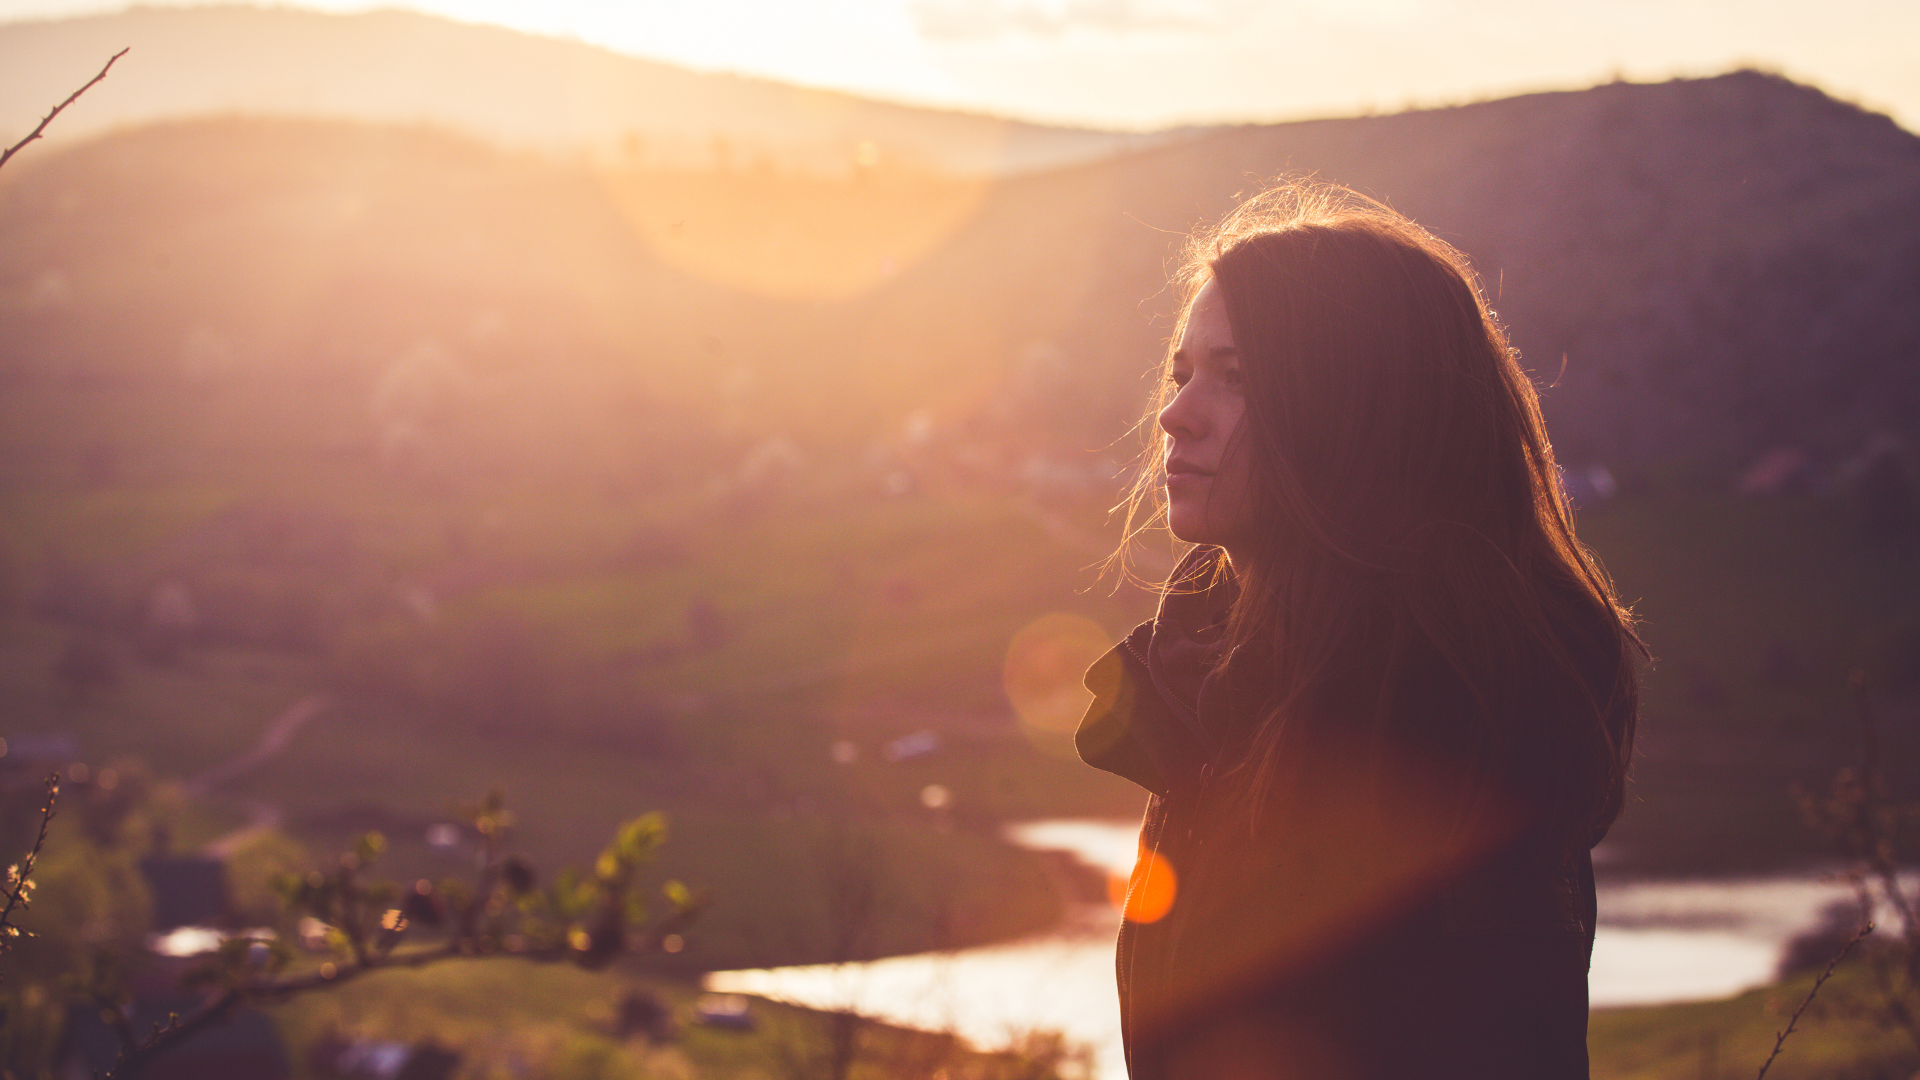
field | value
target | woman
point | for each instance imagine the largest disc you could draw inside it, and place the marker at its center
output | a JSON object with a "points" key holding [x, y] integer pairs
{"points": [[1387, 705]]}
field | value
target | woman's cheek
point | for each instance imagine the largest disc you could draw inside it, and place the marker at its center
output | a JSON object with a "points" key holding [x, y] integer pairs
{"points": [[1230, 509], [1187, 509]]}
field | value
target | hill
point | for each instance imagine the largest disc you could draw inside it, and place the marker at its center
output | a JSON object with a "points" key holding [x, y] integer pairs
{"points": [[630, 483], [514, 89], [1702, 270], [1699, 269]]}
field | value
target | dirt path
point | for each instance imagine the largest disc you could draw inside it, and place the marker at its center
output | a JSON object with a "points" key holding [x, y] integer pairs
{"points": [[262, 816]]}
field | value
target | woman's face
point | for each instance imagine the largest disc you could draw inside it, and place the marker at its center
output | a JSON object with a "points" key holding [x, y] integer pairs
{"points": [[1207, 490]]}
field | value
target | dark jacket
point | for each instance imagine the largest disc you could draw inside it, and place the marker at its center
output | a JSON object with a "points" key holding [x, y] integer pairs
{"points": [[1360, 941]]}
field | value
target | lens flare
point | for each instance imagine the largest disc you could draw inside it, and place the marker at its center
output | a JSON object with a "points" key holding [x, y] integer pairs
{"points": [[1045, 664], [1147, 894], [793, 234]]}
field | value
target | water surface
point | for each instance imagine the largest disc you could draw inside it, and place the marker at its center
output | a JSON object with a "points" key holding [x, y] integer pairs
{"points": [[1658, 942]]}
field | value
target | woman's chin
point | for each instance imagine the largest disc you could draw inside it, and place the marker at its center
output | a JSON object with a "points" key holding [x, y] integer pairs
{"points": [[1189, 528]]}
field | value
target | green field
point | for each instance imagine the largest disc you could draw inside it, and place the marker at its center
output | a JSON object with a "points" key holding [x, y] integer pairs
{"points": [[1756, 610], [507, 1019], [562, 1019], [1838, 1038]]}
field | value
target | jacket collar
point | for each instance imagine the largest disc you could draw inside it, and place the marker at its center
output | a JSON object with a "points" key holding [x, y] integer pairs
{"points": [[1157, 714]]}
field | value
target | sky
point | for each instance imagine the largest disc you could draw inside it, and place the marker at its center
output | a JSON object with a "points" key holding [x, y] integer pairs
{"points": [[1154, 63]]}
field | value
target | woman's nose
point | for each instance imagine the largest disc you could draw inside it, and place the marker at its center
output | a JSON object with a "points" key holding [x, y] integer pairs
{"points": [[1180, 419]]}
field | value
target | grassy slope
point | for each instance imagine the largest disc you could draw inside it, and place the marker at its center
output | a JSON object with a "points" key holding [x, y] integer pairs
{"points": [[1755, 610], [508, 1017], [1835, 1040], [825, 642], [558, 1019]]}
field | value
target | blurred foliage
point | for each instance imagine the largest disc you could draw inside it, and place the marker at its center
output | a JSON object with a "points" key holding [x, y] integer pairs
{"points": [[255, 867], [361, 924], [27, 1024], [89, 914], [364, 940], [87, 941]]}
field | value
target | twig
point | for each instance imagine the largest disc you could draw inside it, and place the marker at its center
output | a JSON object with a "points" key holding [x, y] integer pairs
{"points": [[171, 1033], [20, 877], [349, 902], [136, 1052], [1877, 841], [1780, 1040], [116, 1018], [48, 119]]}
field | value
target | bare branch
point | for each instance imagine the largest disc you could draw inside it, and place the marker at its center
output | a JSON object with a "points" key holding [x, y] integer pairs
{"points": [[135, 1053], [1877, 843], [1780, 1040], [172, 1033], [109, 1005], [48, 119], [19, 886]]}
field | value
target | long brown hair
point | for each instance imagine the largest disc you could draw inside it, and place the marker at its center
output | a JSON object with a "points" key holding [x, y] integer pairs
{"points": [[1415, 580]]}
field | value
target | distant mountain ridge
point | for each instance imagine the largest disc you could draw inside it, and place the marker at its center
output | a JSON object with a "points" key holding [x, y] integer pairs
{"points": [[1698, 271], [517, 89], [1699, 268]]}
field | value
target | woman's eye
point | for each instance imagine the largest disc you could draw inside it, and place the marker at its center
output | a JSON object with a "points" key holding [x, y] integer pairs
{"points": [[1178, 378], [1233, 378]]}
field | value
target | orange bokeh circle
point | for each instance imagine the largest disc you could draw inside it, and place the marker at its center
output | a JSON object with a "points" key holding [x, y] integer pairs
{"points": [[1147, 895]]}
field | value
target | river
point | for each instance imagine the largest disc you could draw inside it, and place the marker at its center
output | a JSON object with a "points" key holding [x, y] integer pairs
{"points": [[1658, 942]]}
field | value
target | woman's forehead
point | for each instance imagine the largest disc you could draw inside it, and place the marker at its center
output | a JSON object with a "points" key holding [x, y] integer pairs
{"points": [[1207, 332]]}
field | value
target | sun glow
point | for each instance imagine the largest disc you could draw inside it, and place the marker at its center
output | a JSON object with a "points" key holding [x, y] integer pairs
{"points": [[1209, 60], [796, 236]]}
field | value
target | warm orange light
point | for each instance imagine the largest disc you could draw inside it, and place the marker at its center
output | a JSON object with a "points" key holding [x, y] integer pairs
{"points": [[1148, 894], [791, 234], [1045, 664]]}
